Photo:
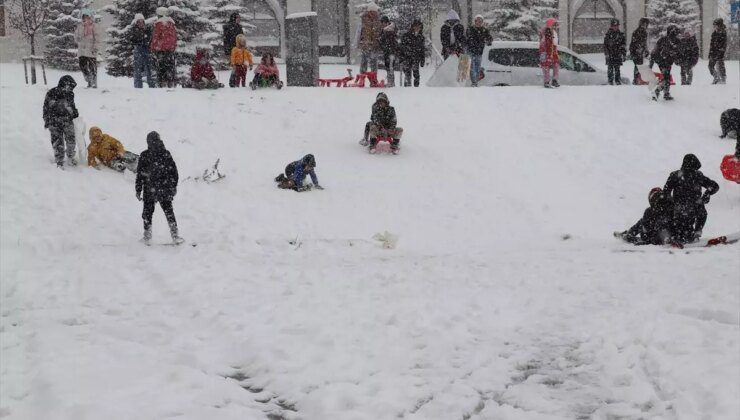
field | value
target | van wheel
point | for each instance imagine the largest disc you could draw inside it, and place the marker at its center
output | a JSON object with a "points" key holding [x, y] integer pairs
{"points": [[501, 84]]}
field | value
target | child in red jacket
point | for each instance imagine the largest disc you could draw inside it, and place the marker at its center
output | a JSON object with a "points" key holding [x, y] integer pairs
{"points": [[201, 74], [267, 73]]}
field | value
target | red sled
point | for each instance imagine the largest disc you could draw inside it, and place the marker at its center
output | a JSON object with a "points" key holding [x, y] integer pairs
{"points": [[658, 76], [730, 168], [359, 80], [383, 146]]}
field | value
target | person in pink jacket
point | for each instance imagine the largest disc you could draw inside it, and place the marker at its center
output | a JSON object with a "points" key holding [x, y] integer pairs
{"points": [[549, 58], [163, 45], [266, 74]]}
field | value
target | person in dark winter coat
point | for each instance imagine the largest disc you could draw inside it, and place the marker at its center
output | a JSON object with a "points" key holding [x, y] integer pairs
{"points": [[729, 122], [477, 38], [140, 37], [685, 189], [615, 51], [413, 52], [59, 111], [231, 29], [382, 122], [389, 46], [639, 47], [157, 178], [295, 174], [688, 56], [717, 49], [665, 55], [452, 35], [657, 221]]}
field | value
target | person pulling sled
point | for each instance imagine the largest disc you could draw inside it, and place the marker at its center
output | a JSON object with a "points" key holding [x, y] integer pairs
{"points": [[107, 150], [665, 54], [382, 125], [295, 174], [657, 221], [690, 191]]}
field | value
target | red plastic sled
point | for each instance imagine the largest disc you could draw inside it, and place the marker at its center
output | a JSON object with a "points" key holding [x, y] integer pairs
{"points": [[383, 146], [658, 75], [730, 168], [359, 80]]}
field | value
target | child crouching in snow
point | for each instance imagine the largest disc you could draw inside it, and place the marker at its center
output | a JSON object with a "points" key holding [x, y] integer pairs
{"points": [[240, 56], [201, 74], [655, 226], [295, 174], [267, 73], [110, 152]]}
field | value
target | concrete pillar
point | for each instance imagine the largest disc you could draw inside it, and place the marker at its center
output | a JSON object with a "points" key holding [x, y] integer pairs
{"points": [[635, 11], [565, 19], [709, 14]]}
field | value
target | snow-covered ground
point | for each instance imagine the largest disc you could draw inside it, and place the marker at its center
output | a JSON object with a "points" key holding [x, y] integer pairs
{"points": [[506, 297]]}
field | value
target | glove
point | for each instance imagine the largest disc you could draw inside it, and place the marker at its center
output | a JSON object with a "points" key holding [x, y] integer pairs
{"points": [[46, 124], [705, 199], [138, 195], [318, 187]]}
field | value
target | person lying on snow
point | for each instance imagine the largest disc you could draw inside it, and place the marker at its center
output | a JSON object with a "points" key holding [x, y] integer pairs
{"points": [[655, 226], [267, 74], [295, 174], [382, 123], [685, 189], [59, 111], [201, 73], [107, 150]]}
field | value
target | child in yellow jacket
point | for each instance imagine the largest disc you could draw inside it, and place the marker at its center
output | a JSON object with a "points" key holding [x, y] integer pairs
{"points": [[108, 151], [240, 56]]}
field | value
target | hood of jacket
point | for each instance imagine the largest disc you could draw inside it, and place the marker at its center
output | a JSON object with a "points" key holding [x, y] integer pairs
{"points": [[452, 16], [201, 55], [154, 142], [67, 80], [691, 163], [96, 134], [382, 97]]}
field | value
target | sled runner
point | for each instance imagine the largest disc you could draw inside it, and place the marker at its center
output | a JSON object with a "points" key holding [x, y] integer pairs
{"points": [[730, 168], [701, 243]]}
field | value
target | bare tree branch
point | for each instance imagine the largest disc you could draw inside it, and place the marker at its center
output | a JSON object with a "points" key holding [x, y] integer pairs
{"points": [[27, 16]]}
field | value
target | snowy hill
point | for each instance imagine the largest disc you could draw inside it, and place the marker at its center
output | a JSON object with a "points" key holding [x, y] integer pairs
{"points": [[505, 298]]}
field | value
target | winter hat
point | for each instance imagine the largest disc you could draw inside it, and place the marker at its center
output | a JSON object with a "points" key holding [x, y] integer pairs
{"points": [[95, 133], [163, 11], [614, 22], [644, 21], [67, 80], [372, 7], [382, 97], [241, 41], [384, 19], [478, 17], [138, 17], [654, 194], [691, 162], [549, 23], [452, 15], [153, 141], [309, 160], [672, 31], [86, 12], [719, 22]]}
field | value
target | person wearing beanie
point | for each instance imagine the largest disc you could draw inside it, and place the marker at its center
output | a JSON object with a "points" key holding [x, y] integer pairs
{"points": [[295, 174], [389, 47], [717, 49], [163, 45], [690, 190], [657, 221], [413, 52], [477, 38], [383, 123], [140, 37], [615, 51], [639, 47], [549, 57], [367, 38], [88, 39], [156, 182], [452, 35], [665, 55], [688, 56], [231, 30]]}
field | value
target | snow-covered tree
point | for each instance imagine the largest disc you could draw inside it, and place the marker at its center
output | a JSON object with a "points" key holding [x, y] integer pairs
{"points": [[63, 16], [28, 16], [682, 13], [219, 12], [514, 20], [546, 8]]}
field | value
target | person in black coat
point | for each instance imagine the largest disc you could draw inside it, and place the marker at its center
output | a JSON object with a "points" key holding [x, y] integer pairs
{"points": [[59, 111], [140, 37], [717, 49], [688, 56], [477, 38], [690, 191], [156, 178], [231, 29], [655, 226], [665, 55], [452, 35], [639, 46], [729, 122], [615, 51], [413, 52], [389, 46]]}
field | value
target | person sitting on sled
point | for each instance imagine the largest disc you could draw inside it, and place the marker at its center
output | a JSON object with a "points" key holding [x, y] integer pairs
{"points": [[295, 174], [382, 124], [655, 226], [266, 74], [202, 75], [107, 150]]}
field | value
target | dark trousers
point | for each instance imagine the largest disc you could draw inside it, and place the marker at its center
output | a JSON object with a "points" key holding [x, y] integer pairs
{"points": [[240, 75], [717, 70], [141, 66], [689, 219], [61, 136], [614, 74], [89, 68], [687, 75], [665, 84], [408, 69], [166, 68], [149, 212], [389, 61]]}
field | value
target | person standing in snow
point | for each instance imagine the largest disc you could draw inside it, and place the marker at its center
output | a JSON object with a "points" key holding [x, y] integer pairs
{"points": [[141, 37], [452, 35], [231, 30], [615, 51], [367, 38], [266, 74], [655, 226], [157, 178], [240, 58], [88, 39], [665, 55], [717, 49], [549, 57], [107, 150], [59, 111], [477, 38], [688, 56], [639, 47], [684, 187], [389, 46], [295, 174], [163, 45], [413, 52]]}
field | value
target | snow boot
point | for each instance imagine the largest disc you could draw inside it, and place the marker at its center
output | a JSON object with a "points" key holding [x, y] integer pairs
{"points": [[280, 178], [667, 96], [364, 142], [72, 161], [176, 239], [279, 85], [253, 85], [147, 238], [555, 83], [547, 85]]}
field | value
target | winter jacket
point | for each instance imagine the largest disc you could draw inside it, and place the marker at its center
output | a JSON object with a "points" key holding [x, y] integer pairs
{"points": [[685, 185], [665, 52], [548, 48], [367, 37], [202, 68], [383, 117], [140, 36], [241, 56], [156, 175], [656, 223], [452, 35], [478, 38], [615, 47], [164, 36], [688, 52], [268, 70], [638, 44], [389, 39], [103, 148], [87, 45], [718, 44], [413, 47], [231, 30], [59, 105], [298, 174]]}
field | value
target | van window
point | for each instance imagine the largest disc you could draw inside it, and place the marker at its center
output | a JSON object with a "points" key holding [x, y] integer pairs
{"points": [[566, 61], [525, 57], [583, 66], [501, 56]]}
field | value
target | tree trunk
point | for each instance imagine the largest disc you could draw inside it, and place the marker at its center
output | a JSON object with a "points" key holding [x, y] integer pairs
{"points": [[33, 44], [33, 63]]}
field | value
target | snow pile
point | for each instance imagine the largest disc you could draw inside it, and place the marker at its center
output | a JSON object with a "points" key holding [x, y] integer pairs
{"points": [[505, 296]]}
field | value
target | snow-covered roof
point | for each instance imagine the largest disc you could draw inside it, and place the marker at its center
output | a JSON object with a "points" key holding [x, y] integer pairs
{"points": [[300, 15]]}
